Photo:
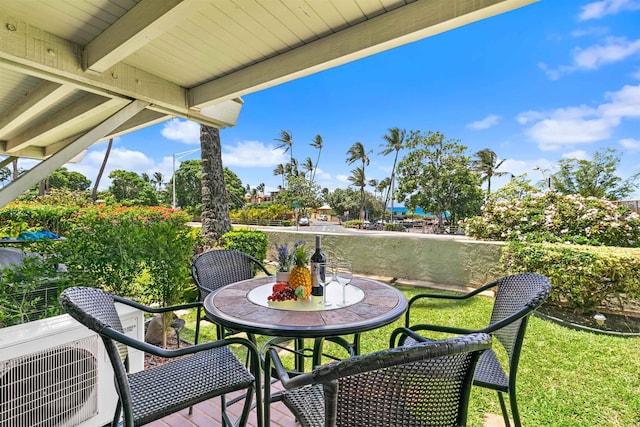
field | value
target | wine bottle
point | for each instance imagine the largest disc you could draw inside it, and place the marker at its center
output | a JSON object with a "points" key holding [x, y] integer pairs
{"points": [[317, 269]]}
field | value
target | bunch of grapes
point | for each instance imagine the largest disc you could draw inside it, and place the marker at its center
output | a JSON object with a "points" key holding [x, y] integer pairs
{"points": [[284, 294]]}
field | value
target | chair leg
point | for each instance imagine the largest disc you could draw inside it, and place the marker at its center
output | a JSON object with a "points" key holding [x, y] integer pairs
{"points": [[116, 415], [197, 326], [505, 414], [514, 409]]}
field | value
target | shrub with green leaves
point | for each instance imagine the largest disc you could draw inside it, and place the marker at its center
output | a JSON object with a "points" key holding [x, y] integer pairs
{"points": [[30, 291], [33, 217], [252, 242], [140, 252], [582, 275], [554, 218]]}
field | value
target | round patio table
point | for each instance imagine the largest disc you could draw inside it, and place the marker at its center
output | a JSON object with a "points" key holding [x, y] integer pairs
{"points": [[243, 306]]}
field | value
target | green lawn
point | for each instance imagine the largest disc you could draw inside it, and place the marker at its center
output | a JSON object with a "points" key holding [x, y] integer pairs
{"points": [[566, 377]]}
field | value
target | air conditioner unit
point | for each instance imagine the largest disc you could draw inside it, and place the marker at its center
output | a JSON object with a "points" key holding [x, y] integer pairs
{"points": [[55, 372]]}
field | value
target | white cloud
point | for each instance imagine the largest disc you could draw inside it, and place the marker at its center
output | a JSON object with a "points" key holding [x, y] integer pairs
{"points": [[343, 179], [630, 144], [590, 31], [489, 121], [599, 9], [578, 155], [579, 125], [182, 130], [624, 103], [614, 49], [529, 116], [119, 158], [252, 154]]}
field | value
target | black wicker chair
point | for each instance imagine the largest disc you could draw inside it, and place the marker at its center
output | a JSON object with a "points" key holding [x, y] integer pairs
{"points": [[197, 373], [427, 384], [215, 269], [517, 296]]}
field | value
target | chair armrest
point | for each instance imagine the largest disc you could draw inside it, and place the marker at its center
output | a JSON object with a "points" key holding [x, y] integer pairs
{"points": [[399, 335], [183, 351], [446, 297], [148, 309], [287, 381]]}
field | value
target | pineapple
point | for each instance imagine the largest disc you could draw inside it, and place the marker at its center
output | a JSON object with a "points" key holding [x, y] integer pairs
{"points": [[300, 274]]}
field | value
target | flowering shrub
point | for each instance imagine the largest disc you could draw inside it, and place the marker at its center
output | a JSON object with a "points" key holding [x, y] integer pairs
{"points": [[131, 251], [553, 218]]}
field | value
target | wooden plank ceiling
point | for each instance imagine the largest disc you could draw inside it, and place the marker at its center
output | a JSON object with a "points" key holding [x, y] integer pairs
{"points": [[68, 66]]}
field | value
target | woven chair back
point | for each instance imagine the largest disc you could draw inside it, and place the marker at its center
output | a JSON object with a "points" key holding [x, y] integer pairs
{"points": [[95, 309], [423, 385], [215, 269], [516, 292]]}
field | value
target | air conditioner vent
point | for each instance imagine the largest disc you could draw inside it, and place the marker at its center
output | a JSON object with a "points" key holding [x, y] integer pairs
{"points": [[52, 387]]}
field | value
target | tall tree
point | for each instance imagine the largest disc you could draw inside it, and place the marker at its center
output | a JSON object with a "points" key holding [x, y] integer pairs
{"points": [[280, 170], [286, 144], [129, 187], [595, 177], [307, 166], [357, 152], [70, 180], [359, 179], [486, 164], [382, 186], [317, 143], [374, 183], [94, 192], [189, 186], [394, 143], [436, 175], [215, 207], [158, 180]]}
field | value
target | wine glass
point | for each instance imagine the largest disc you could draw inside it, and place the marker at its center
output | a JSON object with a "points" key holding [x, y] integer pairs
{"points": [[325, 276], [344, 274]]}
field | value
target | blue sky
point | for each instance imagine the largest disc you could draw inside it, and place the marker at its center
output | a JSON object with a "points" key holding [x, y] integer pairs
{"points": [[553, 80]]}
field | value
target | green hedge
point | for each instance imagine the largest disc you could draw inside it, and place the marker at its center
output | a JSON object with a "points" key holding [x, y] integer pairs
{"points": [[16, 219], [584, 276], [252, 242]]}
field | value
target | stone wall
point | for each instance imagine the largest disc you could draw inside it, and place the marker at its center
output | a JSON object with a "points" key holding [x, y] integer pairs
{"points": [[440, 260]]}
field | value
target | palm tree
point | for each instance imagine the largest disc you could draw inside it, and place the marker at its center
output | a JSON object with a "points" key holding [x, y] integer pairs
{"points": [[316, 143], [357, 152], [286, 143], [307, 166], [384, 185], [260, 188], [394, 142], [94, 193], [280, 170], [486, 164], [374, 183], [358, 179], [145, 177], [215, 203], [158, 179]]}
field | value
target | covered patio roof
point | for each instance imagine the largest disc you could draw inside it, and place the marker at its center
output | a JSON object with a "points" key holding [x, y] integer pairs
{"points": [[75, 72]]}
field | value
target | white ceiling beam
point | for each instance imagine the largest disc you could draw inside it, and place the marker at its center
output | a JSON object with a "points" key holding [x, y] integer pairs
{"points": [[78, 112], [46, 167], [143, 119], [406, 24], [139, 26], [35, 52], [34, 103]]}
